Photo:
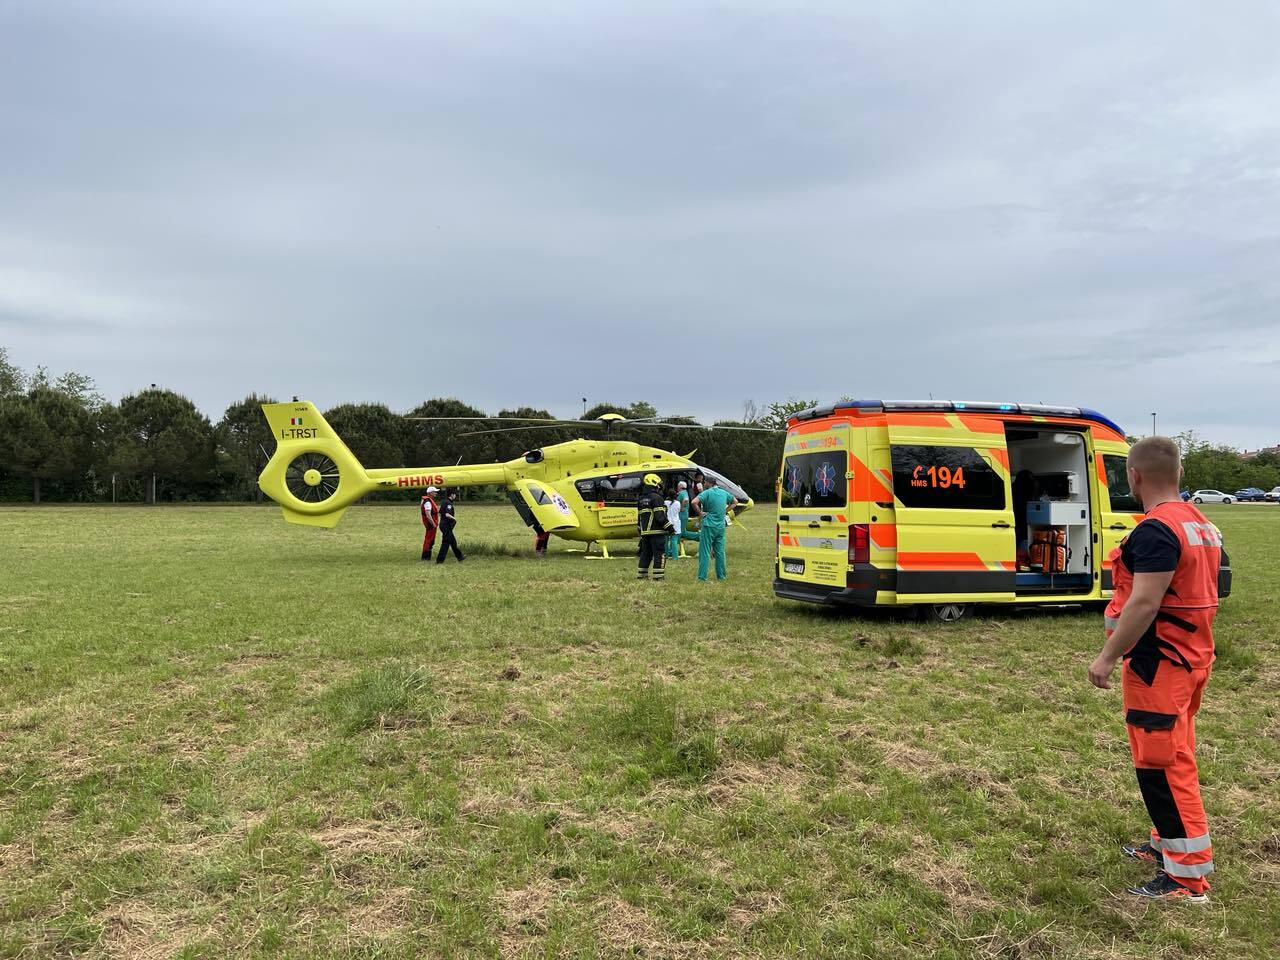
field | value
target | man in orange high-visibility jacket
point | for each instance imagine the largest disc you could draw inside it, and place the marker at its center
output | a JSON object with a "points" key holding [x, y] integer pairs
{"points": [[1161, 623], [430, 521]]}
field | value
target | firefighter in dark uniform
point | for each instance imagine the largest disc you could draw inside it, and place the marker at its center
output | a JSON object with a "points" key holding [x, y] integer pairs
{"points": [[651, 519]]}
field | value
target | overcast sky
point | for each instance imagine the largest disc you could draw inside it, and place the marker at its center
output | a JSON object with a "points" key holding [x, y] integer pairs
{"points": [[689, 203]]}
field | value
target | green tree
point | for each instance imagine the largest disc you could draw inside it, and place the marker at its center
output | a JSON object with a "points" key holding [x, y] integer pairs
{"points": [[12, 380], [45, 435], [436, 443], [245, 441], [159, 434], [375, 435], [778, 412]]}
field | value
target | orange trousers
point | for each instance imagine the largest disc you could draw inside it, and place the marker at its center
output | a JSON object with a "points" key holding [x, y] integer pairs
{"points": [[1160, 714]]}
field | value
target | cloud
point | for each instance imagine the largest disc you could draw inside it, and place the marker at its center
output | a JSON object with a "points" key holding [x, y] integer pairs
{"points": [[685, 203]]}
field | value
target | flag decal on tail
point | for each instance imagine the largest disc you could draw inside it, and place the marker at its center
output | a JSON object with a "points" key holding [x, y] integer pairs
{"points": [[295, 421]]}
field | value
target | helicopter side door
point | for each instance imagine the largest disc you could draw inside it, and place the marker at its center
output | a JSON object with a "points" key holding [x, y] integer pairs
{"points": [[544, 504]]}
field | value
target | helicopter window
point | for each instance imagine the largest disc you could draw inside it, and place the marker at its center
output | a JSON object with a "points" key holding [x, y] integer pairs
{"points": [[622, 488], [587, 490], [722, 481]]}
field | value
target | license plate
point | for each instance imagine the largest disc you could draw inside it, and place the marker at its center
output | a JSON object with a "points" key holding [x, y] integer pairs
{"points": [[793, 566]]}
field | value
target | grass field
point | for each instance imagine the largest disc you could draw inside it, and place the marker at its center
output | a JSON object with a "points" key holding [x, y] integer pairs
{"points": [[221, 735]]}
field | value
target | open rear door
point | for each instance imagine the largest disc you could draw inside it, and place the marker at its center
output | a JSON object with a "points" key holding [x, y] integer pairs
{"points": [[533, 498], [1119, 511], [953, 509]]}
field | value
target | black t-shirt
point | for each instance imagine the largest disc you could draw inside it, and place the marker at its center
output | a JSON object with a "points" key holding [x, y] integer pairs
{"points": [[1151, 548], [447, 519]]}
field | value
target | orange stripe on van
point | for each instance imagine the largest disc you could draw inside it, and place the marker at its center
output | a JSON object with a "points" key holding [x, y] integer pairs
{"points": [[817, 426], [980, 424], [941, 560], [1001, 455], [867, 486], [919, 420], [884, 535]]}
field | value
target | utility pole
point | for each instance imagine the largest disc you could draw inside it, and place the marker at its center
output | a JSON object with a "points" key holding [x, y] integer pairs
{"points": [[1153, 423], [584, 408]]}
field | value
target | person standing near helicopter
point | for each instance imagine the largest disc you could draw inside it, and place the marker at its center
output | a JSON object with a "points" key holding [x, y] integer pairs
{"points": [[682, 494], [714, 504], [651, 519], [430, 521], [447, 522]]}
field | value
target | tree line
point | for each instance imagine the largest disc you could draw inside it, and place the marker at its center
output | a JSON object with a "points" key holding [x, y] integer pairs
{"points": [[60, 440]]}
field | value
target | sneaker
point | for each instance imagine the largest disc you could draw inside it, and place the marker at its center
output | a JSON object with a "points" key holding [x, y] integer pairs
{"points": [[1164, 887], [1142, 851]]}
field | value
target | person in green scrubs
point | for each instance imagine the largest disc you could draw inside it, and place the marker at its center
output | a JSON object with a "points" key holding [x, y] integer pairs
{"points": [[714, 504]]}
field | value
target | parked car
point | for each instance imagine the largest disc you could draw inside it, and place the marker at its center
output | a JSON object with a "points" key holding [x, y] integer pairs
{"points": [[1250, 494], [1211, 496], [1272, 495]]}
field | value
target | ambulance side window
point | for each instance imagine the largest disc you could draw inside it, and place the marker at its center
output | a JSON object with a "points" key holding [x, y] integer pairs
{"points": [[1122, 498], [956, 478]]}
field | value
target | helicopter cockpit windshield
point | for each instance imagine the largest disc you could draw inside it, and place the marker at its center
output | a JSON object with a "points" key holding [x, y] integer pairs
{"points": [[722, 481]]}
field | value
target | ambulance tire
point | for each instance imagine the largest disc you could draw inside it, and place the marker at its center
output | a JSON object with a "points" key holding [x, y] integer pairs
{"points": [[944, 612]]}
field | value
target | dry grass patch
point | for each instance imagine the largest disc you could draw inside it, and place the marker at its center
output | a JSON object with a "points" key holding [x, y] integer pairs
{"points": [[358, 839], [524, 916], [135, 930], [386, 914], [728, 782], [952, 879]]}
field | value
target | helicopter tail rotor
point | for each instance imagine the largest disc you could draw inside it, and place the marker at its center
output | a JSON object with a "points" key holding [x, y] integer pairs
{"points": [[312, 474]]}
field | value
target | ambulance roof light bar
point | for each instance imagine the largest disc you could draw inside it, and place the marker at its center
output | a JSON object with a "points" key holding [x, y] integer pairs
{"points": [[958, 406]]}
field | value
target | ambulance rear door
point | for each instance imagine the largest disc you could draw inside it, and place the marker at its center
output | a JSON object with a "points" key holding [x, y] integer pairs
{"points": [[1118, 509], [813, 496], [953, 509]]}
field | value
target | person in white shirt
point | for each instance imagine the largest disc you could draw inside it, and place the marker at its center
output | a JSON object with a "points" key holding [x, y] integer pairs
{"points": [[673, 539]]}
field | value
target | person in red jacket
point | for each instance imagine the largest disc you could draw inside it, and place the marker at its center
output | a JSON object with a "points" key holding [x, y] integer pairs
{"points": [[1160, 622], [430, 521]]}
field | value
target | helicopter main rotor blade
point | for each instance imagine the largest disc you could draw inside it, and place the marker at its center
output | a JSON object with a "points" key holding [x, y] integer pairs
{"points": [[500, 419], [699, 426], [480, 433]]}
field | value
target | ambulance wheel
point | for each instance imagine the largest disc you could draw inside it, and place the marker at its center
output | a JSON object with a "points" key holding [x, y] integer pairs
{"points": [[944, 612]]}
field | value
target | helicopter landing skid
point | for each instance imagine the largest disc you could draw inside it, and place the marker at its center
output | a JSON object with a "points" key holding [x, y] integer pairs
{"points": [[604, 551]]}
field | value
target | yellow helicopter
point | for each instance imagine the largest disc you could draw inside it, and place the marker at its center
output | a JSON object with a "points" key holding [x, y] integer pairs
{"points": [[580, 490]]}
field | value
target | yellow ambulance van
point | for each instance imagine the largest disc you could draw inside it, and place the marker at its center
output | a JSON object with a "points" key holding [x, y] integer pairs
{"points": [[944, 505]]}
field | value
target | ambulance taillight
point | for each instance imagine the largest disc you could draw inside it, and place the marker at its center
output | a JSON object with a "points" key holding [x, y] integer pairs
{"points": [[859, 543]]}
